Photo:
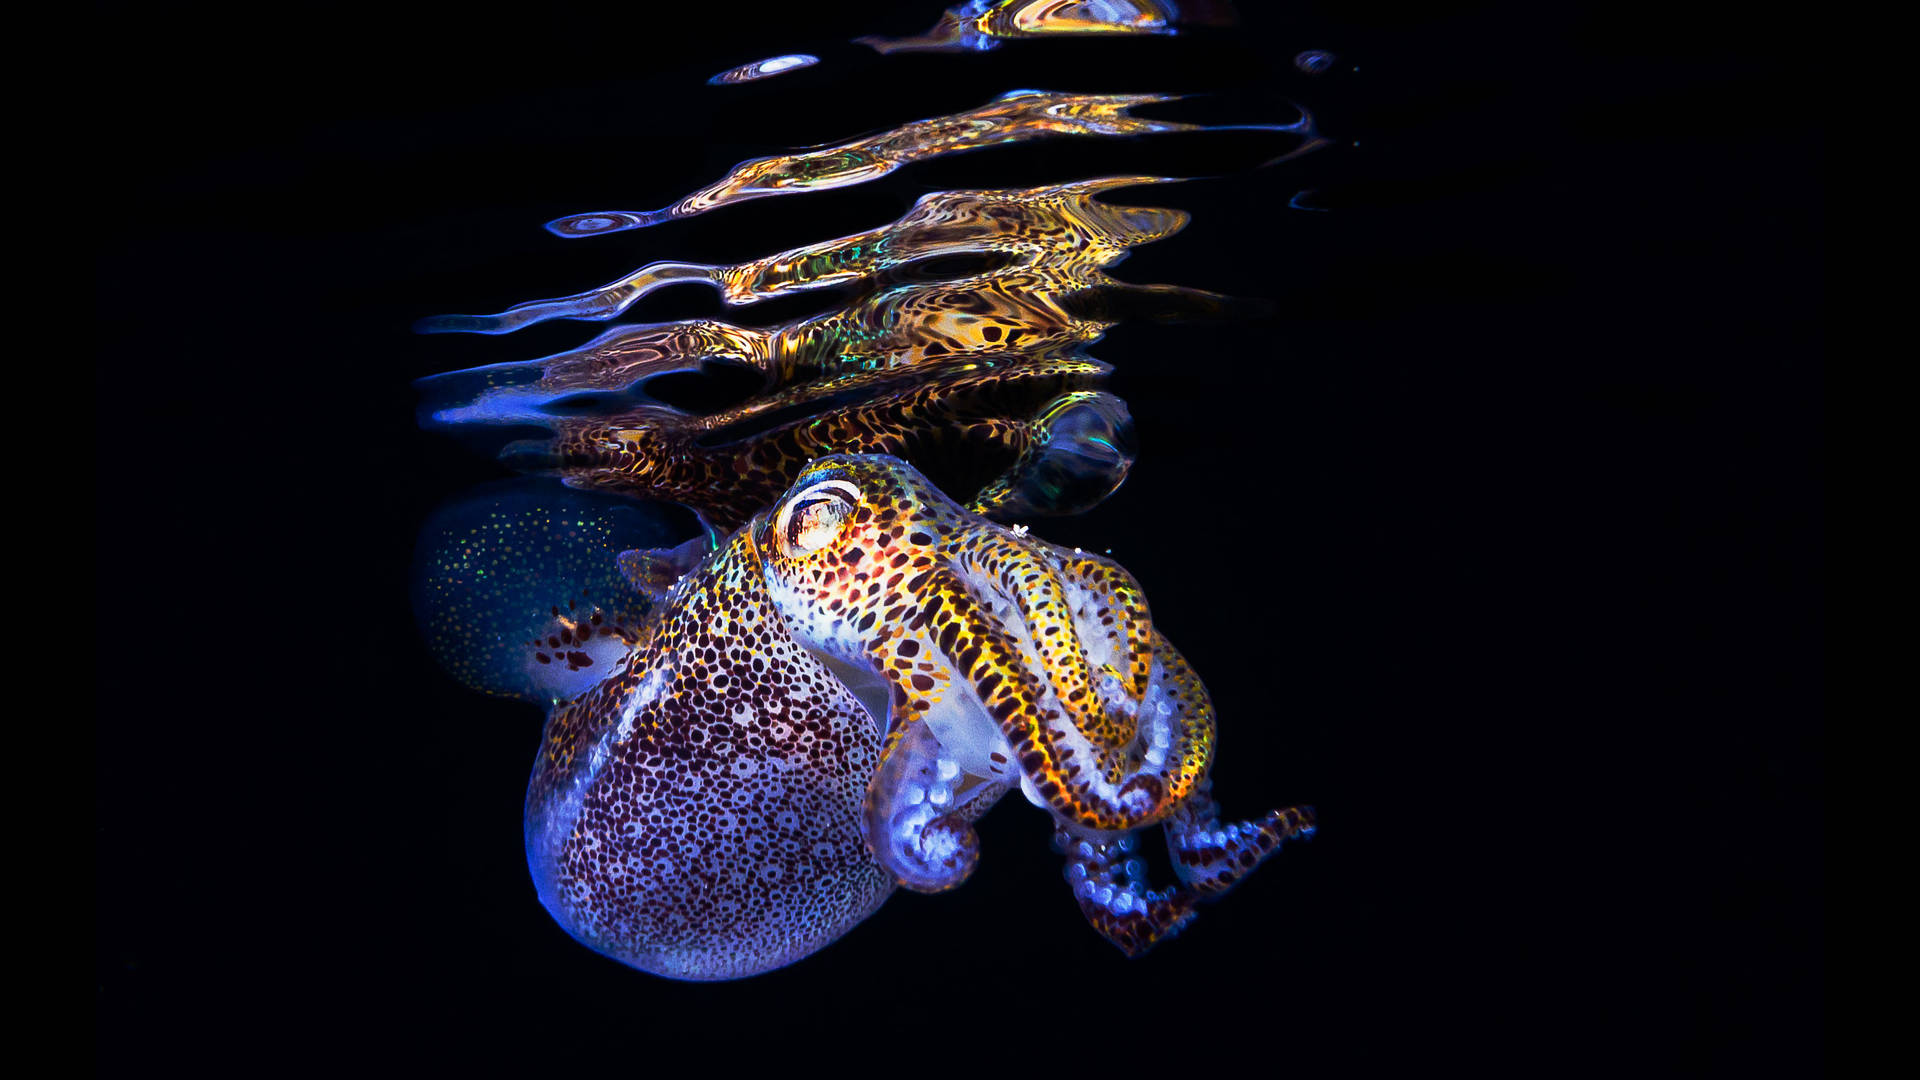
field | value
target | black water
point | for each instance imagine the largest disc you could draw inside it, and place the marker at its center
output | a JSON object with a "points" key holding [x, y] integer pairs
{"points": [[1498, 542]]}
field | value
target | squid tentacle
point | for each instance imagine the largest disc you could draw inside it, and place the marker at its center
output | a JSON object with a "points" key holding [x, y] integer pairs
{"points": [[1023, 575], [1114, 601], [917, 820], [1211, 858], [1109, 882], [988, 659]]}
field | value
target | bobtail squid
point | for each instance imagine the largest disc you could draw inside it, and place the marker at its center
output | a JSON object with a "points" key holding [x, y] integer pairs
{"points": [[820, 705]]}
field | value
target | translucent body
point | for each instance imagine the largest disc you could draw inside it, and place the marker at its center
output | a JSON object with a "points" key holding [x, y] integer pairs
{"points": [[697, 815], [819, 710]]}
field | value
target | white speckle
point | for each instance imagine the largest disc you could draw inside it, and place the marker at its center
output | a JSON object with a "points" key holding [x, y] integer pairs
{"points": [[1019, 530], [939, 846], [782, 63], [643, 695]]}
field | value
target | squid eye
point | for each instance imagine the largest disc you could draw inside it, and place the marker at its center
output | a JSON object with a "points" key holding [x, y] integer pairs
{"points": [[813, 518]]}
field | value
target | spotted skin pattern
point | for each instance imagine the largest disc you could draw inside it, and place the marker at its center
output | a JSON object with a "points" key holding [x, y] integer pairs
{"points": [[952, 610], [820, 710], [732, 463], [1017, 116], [697, 814]]}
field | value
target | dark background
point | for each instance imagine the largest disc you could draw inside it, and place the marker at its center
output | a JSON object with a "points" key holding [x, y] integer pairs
{"points": [[1498, 542]]}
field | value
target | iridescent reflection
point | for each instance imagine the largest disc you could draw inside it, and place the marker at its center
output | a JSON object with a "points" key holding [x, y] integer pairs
{"points": [[1015, 117], [983, 24], [961, 346], [764, 69], [765, 721]]}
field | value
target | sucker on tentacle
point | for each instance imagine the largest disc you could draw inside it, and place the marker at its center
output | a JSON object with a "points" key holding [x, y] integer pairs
{"points": [[918, 814]]}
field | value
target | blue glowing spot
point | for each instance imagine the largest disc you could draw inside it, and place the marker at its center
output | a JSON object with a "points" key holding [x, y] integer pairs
{"points": [[1314, 61], [763, 69], [618, 221]]}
